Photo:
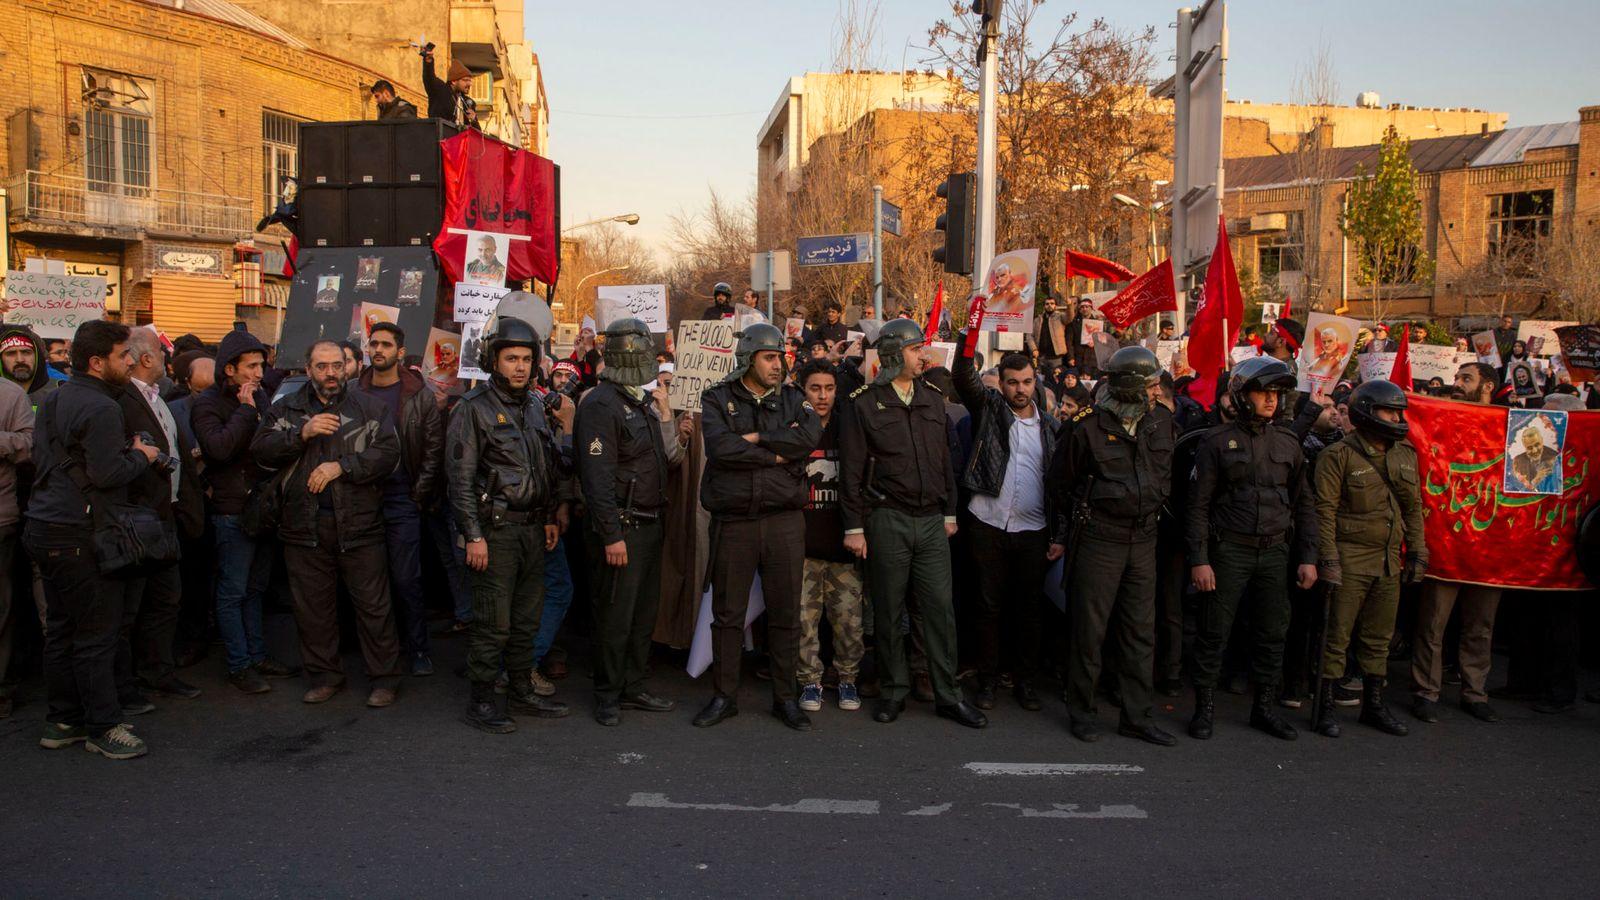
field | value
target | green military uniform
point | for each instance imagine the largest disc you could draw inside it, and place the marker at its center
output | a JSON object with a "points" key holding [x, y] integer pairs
{"points": [[1368, 504]]}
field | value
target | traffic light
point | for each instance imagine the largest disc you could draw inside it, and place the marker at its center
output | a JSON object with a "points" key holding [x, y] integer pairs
{"points": [[989, 9], [958, 192]]}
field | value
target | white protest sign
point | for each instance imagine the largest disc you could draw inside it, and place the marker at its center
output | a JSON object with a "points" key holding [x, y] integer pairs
{"points": [[477, 302], [645, 302], [1242, 352], [1430, 361], [705, 357], [1329, 342], [1167, 353], [53, 305], [1376, 366], [946, 354], [1539, 336]]}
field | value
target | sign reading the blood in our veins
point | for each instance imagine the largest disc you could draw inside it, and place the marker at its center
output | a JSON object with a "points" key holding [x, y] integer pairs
{"points": [[705, 357], [1478, 533], [53, 305]]}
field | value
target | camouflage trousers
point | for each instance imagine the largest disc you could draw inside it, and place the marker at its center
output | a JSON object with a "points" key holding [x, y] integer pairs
{"points": [[834, 588]]}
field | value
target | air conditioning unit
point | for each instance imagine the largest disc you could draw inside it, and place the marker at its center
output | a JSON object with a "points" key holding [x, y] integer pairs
{"points": [[1265, 222]]}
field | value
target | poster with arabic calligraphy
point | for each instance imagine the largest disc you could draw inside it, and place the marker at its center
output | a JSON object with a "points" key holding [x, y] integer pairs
{"points": [[1477, 531]]}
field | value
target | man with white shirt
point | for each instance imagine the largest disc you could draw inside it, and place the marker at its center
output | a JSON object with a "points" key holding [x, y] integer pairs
{"points": [[150, 628], [1012, 444]]}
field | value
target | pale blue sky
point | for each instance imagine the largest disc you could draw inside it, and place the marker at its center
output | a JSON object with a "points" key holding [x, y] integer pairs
{"points": [[654, 101]]}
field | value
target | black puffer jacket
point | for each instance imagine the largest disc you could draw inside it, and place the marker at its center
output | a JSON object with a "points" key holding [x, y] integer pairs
{"points": [[985, 469], [366, 448], [744, 480], [501, 457]]}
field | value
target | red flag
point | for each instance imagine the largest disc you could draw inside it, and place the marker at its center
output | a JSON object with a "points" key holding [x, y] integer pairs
{"points": [[494, 187], [1401, 373], [1217, 317], [1287, 303], [1147, 295], [1083, 265], [1476, 532], [935, 314], [974, 325]]}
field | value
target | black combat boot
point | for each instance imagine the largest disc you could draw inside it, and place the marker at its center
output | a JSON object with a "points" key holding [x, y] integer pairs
{"points": [[1204, 711], [1374, 713], [523, 699], [1264, 716], [482, 713], [1326, 724]]}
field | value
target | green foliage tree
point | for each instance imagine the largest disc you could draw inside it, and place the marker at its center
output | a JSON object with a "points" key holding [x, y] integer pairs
{"points": [[1382, 216]]}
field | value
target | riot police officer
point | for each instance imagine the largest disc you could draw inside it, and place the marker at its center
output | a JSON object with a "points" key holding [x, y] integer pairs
{"points": [[759, 432], [622, 452], [504, 489], [899, 516], [721, 302], [1111, 473], [1249, 511], [1369, 505]]}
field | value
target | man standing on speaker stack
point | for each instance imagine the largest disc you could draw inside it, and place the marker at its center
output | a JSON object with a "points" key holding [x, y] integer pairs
{"points": [[449, 99], [389, 105]]}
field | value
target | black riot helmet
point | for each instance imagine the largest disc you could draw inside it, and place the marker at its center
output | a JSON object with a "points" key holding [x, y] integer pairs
{"points": [[893, 338], [1259, 373], [722, 289], [1130, 372], [502, 333], [630, 353], [755, 338], [1372, 396]]}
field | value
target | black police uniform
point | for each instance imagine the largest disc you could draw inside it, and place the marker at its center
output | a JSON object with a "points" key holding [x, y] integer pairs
{"points": [[900, 488], [1250, 516], [1109, 488], [757, 524], [622, 467]]}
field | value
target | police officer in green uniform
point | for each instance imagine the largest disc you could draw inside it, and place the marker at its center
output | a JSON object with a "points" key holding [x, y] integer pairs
{"points": [[759, 432], [1369, 505], [1249, 512], [504, 489], [899, 515], [622, 448], [1111, 473]]}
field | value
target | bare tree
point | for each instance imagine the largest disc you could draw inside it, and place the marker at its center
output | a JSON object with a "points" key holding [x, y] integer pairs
{"points": [[602, 255], [713, 245], [1569, 262], [1313, 159]]}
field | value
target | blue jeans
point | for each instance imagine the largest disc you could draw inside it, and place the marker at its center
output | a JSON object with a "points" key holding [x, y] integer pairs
{"points": [[244, 570], [557, 599], [402, 525], [453, 556]]}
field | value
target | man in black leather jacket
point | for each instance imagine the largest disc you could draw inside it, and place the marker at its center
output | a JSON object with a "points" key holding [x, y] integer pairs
{"points": [[334, 448], [504, 486]]}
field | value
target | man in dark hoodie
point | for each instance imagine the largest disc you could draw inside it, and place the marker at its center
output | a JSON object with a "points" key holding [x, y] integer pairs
{"points": [[224, 417], [22, 358]]}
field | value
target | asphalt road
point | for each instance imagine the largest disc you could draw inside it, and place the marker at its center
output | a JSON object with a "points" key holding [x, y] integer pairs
{"points": [[264, 796]]}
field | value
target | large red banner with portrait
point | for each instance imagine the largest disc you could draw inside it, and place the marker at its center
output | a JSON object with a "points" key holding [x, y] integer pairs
{"points": [[1477, 532], [492, 186]]}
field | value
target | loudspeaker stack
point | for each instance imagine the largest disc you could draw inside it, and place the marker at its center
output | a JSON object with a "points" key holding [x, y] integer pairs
{"points": [[371, 184]]}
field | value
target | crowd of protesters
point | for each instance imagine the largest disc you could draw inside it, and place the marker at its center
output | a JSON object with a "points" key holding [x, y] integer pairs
{"points": [[1055, 515]]}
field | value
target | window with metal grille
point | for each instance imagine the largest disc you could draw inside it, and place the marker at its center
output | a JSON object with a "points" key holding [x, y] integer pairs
{"points": [[280, 155], [117, 117], [1283, 251], [1519, 221]]}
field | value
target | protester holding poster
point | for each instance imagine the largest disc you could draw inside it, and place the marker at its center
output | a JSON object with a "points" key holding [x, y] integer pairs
{"points": [[1330, 340], [1008, 290]]}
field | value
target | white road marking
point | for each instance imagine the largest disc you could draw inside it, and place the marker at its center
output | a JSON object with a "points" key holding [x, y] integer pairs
{"points": [[988, 768], [809, 805], [628, 758], [1070, 811], [935, 810]]}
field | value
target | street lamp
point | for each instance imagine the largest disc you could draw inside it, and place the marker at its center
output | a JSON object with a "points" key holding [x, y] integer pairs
{"points": [[625, 218], [593, 274]]}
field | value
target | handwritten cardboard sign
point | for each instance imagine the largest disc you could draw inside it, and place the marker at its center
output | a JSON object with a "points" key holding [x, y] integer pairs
{"points": [[477, 302], [705, 357], [1376, 366], [645, 302], [53, 305], [1430, 361]]}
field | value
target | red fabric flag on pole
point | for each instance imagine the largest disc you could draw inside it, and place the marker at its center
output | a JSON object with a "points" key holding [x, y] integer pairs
{"points": [[934, 314], [1217, 317], [974, 325], [1147, 295], [1083, 265], [494, 187], [1401, 373]]}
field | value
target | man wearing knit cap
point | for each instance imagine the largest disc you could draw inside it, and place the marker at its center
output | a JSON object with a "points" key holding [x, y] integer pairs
{"points": [[449, 99]]}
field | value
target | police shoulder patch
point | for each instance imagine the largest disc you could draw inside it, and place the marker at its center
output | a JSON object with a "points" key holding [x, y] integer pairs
{"points": [[1083, 413], [596, 448], [859, 391]]}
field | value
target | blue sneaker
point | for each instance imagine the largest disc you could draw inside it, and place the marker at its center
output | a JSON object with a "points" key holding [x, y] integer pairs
{"points": [[848, 698], [811, 697]]}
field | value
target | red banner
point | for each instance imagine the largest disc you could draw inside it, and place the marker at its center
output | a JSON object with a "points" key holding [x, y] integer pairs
{"points": [[494, 187], [1478, 533], [1217, 315], [1149, 294], [1084, 265]]}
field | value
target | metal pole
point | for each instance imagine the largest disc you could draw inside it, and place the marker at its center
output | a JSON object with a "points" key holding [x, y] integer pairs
{"points": [[1180, 168], [877, 252], [770, 289], [983, 245]]}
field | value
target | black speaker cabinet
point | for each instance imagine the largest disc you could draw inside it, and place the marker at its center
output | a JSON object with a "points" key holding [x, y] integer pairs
{"points": [[416, 149], [417, 213], [322, 153], [322, 216], [369, 153], [369, 217]]}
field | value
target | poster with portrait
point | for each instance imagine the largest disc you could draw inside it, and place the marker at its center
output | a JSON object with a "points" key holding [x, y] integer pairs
{"points": [[1533, 445], [1329, 342], [870, 365], [1540, 336], [1522, 377], [367, 271], [485, 260], [328, 292], [410, 290], [1008, 289], [794, 327], [441, 360], [373, 313], [1091, 327], [471, 345], [1485, 348]]}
